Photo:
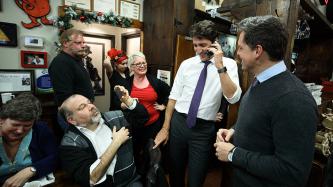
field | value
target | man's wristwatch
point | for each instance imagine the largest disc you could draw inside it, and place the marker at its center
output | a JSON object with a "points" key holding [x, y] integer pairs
{"points": [[222, 70], [231, 153], [33, 169]]}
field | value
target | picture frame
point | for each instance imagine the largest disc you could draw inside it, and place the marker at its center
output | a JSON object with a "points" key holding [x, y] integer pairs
{"points": [[33, 59], [228, 44], [96, 69], [104, 6], [8, 34], [82, 4], [16, 80], [129, 9], [33, 41]]}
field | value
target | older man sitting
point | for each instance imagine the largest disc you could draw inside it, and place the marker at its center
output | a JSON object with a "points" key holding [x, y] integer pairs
{"points": [[97, 148]]}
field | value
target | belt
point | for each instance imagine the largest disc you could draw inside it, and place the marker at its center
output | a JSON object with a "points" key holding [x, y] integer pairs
{"points": [[198, 119]]}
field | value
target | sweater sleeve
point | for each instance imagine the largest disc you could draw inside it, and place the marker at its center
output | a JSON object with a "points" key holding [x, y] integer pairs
{"points": [[76, 162], [164, 92], [293, 126], [44, 154]]}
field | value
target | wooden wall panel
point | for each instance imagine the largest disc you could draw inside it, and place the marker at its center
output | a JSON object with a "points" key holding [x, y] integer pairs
{"points": [[159, 33]]}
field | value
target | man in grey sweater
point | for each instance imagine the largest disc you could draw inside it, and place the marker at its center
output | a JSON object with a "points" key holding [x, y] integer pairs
{"points": [[273, 138]]}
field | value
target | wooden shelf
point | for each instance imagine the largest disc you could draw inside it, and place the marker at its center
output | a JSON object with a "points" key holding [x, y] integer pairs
{"points": [[320, 26]]}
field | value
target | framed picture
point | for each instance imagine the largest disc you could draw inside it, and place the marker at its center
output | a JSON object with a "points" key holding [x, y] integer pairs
{"points": [[8, 34], [94, 63], [16, 81], [228, 44], [43, 82], [105, 6], [82, 4], [33, 41], [129, 9], [33, 59]]}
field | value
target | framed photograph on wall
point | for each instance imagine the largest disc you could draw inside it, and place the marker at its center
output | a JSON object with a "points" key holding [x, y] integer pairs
{"points": [[94, 63], [105, 6], [33, 59], [82, 4], [129, 9], [228, 44], [8, 34], [16, 81]]}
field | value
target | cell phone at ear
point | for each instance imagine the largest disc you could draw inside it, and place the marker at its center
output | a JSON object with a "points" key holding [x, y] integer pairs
{"points": [[209, 53]]}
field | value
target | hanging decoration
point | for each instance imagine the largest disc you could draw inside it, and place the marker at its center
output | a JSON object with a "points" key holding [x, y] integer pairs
{"points": [[35, 9], [72, 13]]}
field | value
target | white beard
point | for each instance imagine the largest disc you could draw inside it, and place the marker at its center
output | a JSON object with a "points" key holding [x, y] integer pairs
{"points": [[96, 119]]}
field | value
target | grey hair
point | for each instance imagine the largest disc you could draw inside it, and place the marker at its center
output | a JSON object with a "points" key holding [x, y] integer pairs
{"points": [[131, 58], [64, 110], [24, 107]]}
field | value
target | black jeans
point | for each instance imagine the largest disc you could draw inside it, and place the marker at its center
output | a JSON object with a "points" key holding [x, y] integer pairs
{"points": [[192, 146]]}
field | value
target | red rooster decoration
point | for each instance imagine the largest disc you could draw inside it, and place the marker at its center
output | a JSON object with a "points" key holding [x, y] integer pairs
{"points": [[35, 9]]}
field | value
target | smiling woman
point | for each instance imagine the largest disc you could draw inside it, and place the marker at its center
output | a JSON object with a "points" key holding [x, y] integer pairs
{"points": [[27, 146]]}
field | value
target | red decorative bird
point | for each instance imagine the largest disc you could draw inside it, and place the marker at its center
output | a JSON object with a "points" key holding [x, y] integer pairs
{"points": [[35, 9]]}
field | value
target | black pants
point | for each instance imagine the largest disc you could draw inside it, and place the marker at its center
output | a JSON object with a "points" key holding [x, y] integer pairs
{"points": [[140, 140], [192, 146]]}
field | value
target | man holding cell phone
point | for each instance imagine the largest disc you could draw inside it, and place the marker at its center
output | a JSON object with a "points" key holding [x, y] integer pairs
{"points": [[195, 98]]}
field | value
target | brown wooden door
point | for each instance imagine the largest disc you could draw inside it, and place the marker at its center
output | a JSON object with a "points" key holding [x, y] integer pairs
{"points": [[184, 50]]}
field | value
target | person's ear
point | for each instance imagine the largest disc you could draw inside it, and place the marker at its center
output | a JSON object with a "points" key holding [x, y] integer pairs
{"points": [[259, 50], [71, 120]]}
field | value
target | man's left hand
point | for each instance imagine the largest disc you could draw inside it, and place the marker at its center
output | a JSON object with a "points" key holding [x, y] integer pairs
{"points": [[162, 136], [222, 150]]}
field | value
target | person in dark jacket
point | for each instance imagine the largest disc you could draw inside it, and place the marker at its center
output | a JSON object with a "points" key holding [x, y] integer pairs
{"points": [[27, 147], [96, 149]]}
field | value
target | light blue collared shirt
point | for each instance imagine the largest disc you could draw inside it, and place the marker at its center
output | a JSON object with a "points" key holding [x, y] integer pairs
{"points": [[271, 71]]}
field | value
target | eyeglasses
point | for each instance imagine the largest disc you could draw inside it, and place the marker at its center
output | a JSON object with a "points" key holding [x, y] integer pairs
{"points": [[140, 64]]}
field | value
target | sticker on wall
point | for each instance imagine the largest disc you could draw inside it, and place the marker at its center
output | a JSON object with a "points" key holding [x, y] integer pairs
{"points": [[35, 9]]}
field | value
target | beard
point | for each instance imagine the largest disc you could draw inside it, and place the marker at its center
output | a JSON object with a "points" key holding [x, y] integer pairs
{"points": [[97, 118]]}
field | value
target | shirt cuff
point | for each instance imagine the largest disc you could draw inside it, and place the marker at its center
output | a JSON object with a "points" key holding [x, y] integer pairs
{"points": [[133, 105], [92, 167], [236, 96]]}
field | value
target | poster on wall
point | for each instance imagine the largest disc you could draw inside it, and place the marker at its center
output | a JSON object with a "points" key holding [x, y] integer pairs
{"points": [[8, 34], [105, 6], [43, 82], [16, 81]]}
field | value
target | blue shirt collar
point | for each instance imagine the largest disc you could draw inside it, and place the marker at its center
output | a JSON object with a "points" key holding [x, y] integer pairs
{"points": [[271, 71]]}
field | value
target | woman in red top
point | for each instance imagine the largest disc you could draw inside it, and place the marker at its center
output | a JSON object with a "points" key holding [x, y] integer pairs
{"points": [[152, 94]]}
